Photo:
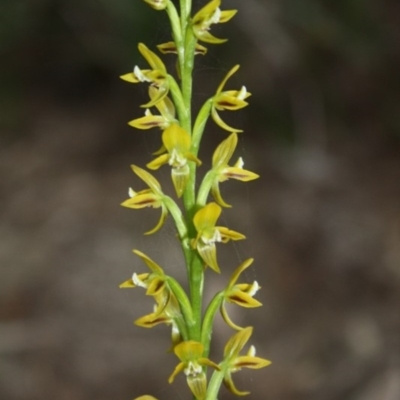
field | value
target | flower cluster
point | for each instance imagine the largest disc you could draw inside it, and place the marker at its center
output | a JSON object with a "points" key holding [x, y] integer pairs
{"points": [[168, 109]]}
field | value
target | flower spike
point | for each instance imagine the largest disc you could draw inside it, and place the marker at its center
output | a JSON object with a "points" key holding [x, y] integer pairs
{"points": [[152, 197], [177, 142], [208, 234], [228, 100], [208, 15], [240, 294]]}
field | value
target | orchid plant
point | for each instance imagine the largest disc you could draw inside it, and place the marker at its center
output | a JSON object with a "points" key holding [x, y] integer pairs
{"points": [[169, 108]]}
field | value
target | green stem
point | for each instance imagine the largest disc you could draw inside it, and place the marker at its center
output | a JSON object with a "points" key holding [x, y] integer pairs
{"points": [[206, 329], [177, 31], [200, 124], [214, 385], [205, 188], [181, 227], [181, 108], [196, 292], [184, 303]]}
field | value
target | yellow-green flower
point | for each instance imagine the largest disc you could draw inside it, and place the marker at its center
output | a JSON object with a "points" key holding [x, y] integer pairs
{"points": [[223, 171], [177, 143], [208, 15], [228, 100], [240, 294], [208, 234], [163, 121], [157, 4], [192, 363], [153, 282], [233, 362], [167, 307], [152, 197], [157, 75]]}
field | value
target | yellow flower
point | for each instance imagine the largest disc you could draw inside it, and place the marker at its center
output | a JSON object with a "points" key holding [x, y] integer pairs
{"points": [[157, 75], [167, 307], [240, 294], [233, 362], [177, 143], [152, 197], [208, 15], [228, 100], [157, 4], [192, 363], [153, 282], [164, 120], [223, 171], [208, 234]]}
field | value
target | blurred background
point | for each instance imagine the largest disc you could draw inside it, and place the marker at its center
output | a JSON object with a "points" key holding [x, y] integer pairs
{"points": [[323, 221]]}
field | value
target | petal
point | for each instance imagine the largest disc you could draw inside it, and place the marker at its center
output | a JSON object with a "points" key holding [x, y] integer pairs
{"points": [[179, 368], [217, 119], [208, 252], [198, 385], [147, 178], [169, 47], [176, 138], [238, 173], [158, 162], [237, 342], [161, 94], [151, 320], [130, 284], [231, 387], [154, 267], [243, 299], [166, 106], [251, 362], [227, 319], [227, 234], [205, 362], [206, 12], [199, 49], [189, 350], [192, 157], [224, 151], [141, 200], [235, 276], [152, 58], [180, 177], [148, 122], [207, 217], [227, 76], [217, 195], [130, 77], [226, 16], [226, 102], [156, 286], [157, 4], [206, 36], [161, 221]]}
